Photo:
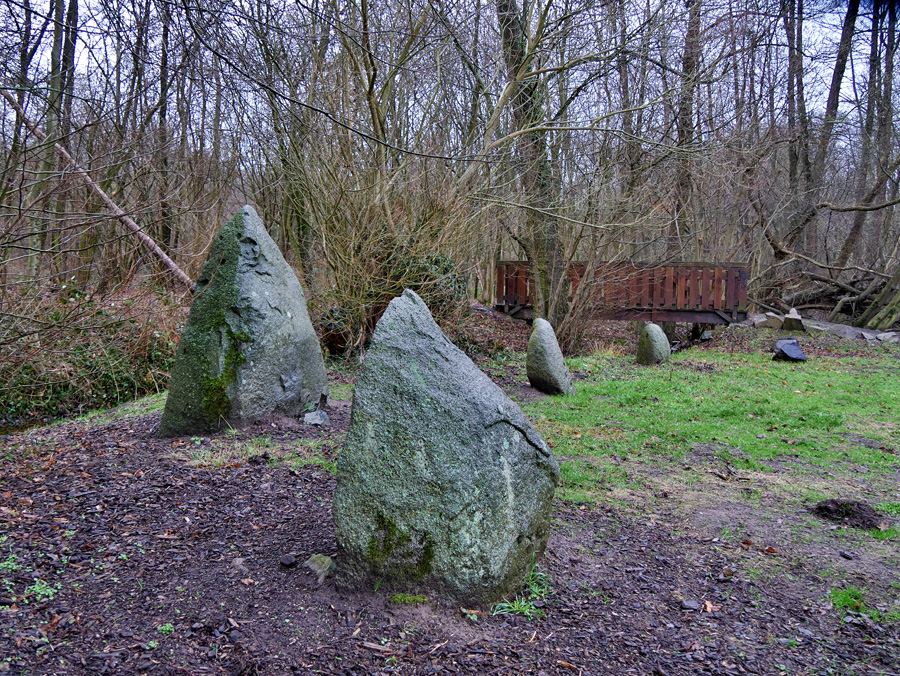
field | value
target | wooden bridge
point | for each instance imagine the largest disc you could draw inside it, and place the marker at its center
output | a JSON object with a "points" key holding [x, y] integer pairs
{"points": [[699, 293]]}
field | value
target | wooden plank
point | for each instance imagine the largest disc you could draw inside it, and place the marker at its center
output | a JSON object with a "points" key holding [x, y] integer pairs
{"points": [[618, 289], [521, 292], [659, 288], [731, 283], [623, 281], [663, 315], [634, 286], [717, 289], [681, 275], [670, 287], [696, 291], [644, 282], [576, 274], [706, 296], [694, 300]]}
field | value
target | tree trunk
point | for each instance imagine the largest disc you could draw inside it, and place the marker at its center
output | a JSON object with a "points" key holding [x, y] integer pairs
{"points": [[47, 167], [805, 215], [540, 238], [880, 100], [681, 229]]}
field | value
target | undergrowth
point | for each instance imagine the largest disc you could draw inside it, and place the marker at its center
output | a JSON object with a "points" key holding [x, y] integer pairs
{"points": [[75, 353]]}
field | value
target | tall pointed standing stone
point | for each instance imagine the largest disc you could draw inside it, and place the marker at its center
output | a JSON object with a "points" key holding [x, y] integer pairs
{"points": [[443, 484], [248, 348]]}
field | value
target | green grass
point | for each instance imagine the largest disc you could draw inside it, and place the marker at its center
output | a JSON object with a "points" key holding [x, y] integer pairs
{"points": [[852, 598], [753, 410], [537, 586], [131, 409], [581, 478], [310, 452], [887, 534], [341, 393], [848, 598]]}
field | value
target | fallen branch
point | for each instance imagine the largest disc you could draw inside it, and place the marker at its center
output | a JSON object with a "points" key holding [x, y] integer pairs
{"points": [[834, 282], [782, 252], [129, 222]]}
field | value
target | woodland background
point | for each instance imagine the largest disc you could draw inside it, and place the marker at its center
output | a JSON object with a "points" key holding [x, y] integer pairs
{"points": [[415, 143]]}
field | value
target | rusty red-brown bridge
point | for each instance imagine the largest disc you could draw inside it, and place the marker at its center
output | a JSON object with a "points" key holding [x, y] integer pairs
{"points": [[699, 293]]}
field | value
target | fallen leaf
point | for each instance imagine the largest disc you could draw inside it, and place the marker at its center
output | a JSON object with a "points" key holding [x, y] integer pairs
{"points": [[567, 665], [771, 550], [710, 608]]}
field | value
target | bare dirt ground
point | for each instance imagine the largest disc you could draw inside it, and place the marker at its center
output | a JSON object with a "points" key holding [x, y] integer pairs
{"points": [[120, 555]]}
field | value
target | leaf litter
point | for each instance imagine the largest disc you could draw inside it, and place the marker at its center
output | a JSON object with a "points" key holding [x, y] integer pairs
{"points": [[109, 535]]}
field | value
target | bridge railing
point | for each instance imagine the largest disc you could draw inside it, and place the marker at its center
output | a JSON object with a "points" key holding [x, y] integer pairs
{"points": [[711, 293]]}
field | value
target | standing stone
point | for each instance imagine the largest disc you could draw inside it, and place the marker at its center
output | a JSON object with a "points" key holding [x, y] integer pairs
{"points": [[544, 363], [653, 346], [793, 321], [443, 484], [248, 348]]}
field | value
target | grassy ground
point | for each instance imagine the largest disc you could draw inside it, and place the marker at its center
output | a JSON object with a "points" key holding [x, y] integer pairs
{"points": [[682, 533], [734, 444]]}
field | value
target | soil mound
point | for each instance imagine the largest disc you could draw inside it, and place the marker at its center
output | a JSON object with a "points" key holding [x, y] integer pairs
{"points": [[850, 512]]}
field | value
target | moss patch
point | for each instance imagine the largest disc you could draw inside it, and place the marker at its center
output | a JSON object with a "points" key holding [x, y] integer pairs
{"points": [[198, 391], [386, 555], [408, 599]]}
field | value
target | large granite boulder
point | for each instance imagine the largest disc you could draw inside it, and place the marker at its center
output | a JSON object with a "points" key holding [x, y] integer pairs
{"points": [[443, 485], [544, 363], [248, 348], [653, 346]]}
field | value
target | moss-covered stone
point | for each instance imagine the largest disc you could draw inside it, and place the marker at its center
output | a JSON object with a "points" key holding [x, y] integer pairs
{"points": [[248, 347], [443, 484], [198, 385]]}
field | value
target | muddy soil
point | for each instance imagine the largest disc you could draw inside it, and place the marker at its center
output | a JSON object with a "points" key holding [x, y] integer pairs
{"points": [[118, 555]]}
